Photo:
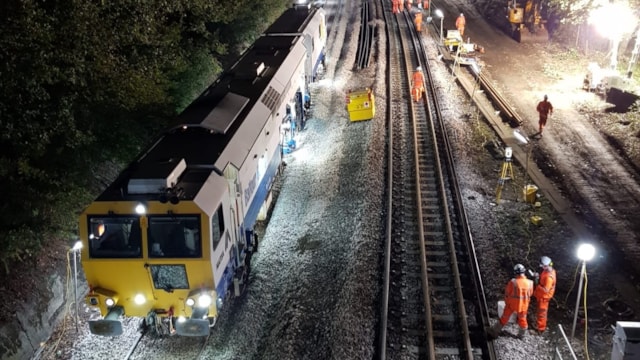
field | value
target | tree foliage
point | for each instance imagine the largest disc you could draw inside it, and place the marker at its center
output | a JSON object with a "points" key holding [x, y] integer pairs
{"points": [[86, 83]]}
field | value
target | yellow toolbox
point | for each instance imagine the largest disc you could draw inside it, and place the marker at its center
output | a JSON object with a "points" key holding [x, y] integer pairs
{"points": [[361, 105]]}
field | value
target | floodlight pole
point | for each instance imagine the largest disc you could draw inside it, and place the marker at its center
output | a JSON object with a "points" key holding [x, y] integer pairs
{"points": [[75, 286], [575, 314], [75, 251], [526, 168], [441, 21]]}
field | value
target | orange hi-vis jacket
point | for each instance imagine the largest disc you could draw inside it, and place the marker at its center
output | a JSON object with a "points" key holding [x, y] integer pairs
{"points": [[460, 22], [544, 107], [547, 285], [518, 292], [418, 79]]}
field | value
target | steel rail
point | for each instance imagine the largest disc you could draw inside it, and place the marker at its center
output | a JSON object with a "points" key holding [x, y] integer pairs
{"points": [[435, 222]]}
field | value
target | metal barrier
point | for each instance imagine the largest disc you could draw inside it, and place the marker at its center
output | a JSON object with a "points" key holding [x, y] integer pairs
{"points": [[559, 349]]}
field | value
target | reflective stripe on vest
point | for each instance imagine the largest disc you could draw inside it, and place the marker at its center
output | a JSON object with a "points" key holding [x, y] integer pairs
{"points": [[516, 291]]}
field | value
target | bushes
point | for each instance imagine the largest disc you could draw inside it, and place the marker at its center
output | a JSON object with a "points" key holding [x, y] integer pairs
{"points": [[86, 84]]}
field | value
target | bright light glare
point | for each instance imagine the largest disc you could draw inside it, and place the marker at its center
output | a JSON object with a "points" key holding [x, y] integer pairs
{"points": [[110, 302], [439, 13], [190, 302], [77, 246], [612, 20], [521, 138], [204, 300], [141, 209], [181, 319], [139, 299], [586, 252]]}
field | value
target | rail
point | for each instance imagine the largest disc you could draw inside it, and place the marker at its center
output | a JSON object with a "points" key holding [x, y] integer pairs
{"points": [[432, 269]]}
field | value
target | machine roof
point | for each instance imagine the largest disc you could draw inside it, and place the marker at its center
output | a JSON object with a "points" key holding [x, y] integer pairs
{"points": [[207, 125], [292, 21]]}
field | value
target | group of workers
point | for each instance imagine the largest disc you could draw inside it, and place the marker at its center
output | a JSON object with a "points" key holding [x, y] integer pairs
{"points": [[400, 5], [418, 82], [518, 293]]}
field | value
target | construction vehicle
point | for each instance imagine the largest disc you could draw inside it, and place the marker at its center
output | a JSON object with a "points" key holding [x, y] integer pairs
{"points": [[526, 21]]}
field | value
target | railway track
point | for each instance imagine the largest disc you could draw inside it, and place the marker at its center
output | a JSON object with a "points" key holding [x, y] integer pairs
{"points": [[147, 346], [434, 306], [366, 37]]}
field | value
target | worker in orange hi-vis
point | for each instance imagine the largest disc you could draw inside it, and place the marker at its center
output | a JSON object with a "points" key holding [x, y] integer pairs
{"points": [[425, 4], [401, 5], [417, 84], [396, 6], [543, 293], [460, 23], [517, 295], [418, 21]]}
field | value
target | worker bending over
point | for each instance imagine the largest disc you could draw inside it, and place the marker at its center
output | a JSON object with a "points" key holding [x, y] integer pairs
{"points": [[418, 21]]}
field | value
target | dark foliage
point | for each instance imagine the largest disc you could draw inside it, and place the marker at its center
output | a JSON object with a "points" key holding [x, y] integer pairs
{"points": [[88, 83]]}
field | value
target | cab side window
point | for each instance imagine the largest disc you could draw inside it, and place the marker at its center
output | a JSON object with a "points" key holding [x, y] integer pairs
{"points": [[217, 227]]}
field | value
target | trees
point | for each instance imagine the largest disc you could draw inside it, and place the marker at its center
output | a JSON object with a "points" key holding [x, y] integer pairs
{"points": [[86, 84]]}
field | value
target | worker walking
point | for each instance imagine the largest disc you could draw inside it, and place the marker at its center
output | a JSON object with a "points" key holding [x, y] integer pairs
{"points": [[425, 4], [517, 295], [417, 84], [545, 109], [544, 291], [460, 23], [401, 5], [418, 21], [396, 6]]}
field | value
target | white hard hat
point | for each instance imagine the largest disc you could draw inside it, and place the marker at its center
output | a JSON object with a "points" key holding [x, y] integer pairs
{"points": [[419, 68], [519, 269], [461, 14], [546, 261]]}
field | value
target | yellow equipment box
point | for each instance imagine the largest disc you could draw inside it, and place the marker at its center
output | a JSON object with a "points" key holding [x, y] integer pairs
{"points": [[361, 105], [530, 192], [453, 39]]}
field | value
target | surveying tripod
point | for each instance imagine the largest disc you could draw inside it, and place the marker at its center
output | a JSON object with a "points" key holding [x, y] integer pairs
{"points": [[506, 173]]}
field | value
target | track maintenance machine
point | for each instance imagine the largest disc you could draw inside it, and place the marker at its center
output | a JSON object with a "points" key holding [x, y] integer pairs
{"points": [[526, 21]]}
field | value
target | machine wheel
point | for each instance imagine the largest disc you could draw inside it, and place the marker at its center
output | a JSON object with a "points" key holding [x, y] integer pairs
{"points": [[255, 243], [244, 277], [213, 321]]}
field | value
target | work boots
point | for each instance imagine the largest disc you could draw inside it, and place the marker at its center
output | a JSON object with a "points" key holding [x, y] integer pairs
{"points": [[495, 330], [522, 333]]}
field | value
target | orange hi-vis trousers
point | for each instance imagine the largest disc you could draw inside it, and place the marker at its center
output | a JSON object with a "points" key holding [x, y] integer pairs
{"points": [[543, 311]]}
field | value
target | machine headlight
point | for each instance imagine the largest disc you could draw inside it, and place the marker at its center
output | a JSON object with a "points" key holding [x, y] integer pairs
{"points": [[139, 299], [181, 319], [219, 303], [190, 302], [204, 300], [110, 302], [141, 209]]}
